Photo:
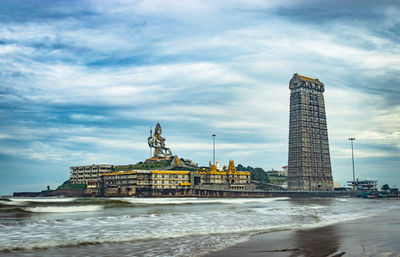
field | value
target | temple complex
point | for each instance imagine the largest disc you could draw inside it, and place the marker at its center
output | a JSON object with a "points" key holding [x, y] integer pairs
{"points": [[309, 164], [160, 175]]}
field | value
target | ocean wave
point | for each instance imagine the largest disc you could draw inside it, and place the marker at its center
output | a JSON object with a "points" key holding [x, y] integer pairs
{"points": [[159, 235], [178, 201], [11, 210], [130, 201], [35, 201], [44, 199], [336, 219], [62, 209], [12, 203], [65, 202], [157, 221], [163, 231]]}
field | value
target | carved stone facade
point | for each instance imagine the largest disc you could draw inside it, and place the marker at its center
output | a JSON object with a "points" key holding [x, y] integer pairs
{"points": [[309, 164]]}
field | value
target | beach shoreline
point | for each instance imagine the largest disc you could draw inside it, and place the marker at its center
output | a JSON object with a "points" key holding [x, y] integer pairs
{"points": [[199, 227], [370, 236]]}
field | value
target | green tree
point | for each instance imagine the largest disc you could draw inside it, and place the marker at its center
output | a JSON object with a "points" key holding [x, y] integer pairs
{"points": [[249, 168], [68, 185], [260, 175], [385, 187], [240, 167], [256, 174]]}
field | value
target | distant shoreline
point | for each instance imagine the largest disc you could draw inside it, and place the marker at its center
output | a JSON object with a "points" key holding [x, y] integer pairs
{"points": [[200, 193]]}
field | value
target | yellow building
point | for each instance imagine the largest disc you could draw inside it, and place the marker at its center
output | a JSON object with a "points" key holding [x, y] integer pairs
{"points": [[158, 179], [235, 179], [126, 182], [161, 179]]}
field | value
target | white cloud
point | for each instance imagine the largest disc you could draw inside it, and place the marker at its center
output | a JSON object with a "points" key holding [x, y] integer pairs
{"points": [[211, 66], [4, 136], [345, 153], [85, 117]]}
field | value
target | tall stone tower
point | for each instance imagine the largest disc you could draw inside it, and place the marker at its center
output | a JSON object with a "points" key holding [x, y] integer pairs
{"points": [[309, 164]]}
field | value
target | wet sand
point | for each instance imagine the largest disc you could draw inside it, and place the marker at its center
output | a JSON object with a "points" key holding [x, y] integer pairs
{"points": [[373, 236]]}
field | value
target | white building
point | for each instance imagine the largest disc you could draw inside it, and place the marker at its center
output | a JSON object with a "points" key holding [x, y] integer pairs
{"points": [[282, 173], [89, 173], [366, 184]]}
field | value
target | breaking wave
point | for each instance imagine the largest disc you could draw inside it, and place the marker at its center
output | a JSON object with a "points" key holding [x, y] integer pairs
{"points": [[60, 209], [81, 204], [151, 221], [177, 201], [171, 234]]}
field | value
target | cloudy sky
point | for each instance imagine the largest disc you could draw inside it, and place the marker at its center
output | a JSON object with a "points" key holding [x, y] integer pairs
{"points": [[82, 82]]}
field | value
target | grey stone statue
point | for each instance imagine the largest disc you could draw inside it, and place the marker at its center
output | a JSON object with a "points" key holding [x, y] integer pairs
{"points": [[157, 142]]}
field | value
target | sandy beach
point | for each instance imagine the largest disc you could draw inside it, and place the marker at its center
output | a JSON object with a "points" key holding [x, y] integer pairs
{"points": [[373, 236]]}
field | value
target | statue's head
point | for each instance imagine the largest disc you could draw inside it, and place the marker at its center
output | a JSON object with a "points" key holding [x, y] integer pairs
{"points": [[158, 129]]}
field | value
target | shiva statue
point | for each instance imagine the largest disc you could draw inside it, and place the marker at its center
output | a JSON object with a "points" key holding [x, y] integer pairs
{"points": [[157, 142]]}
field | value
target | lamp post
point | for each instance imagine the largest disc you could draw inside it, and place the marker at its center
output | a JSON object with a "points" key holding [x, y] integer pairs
{"points": [[213, 135], [352, 160]]}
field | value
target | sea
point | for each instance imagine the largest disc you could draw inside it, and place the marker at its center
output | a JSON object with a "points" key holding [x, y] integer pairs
{"points": [[163, 226]]}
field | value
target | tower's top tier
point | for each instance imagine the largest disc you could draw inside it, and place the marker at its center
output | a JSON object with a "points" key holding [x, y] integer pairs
{"points": [[299, 81]]}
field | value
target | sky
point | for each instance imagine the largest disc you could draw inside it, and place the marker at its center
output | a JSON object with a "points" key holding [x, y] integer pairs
{"points": [[82, 82]]}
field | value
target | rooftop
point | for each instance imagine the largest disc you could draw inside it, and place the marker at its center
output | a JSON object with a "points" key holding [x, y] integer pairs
{"points": [[307, 78]]}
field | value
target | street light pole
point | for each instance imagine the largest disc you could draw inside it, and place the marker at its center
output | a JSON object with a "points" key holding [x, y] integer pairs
{"points": [[352, 160], [213, 135]]}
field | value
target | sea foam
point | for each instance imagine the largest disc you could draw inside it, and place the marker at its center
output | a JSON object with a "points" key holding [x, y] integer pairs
{"points": [[166, 201], [48, 209]]}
